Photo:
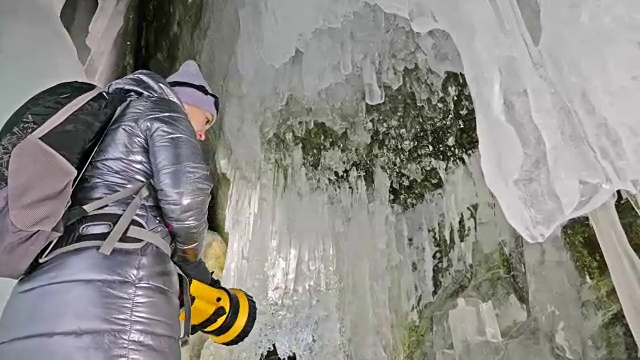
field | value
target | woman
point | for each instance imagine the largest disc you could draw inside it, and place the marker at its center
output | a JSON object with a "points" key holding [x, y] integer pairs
{"points": [[85, 305]]}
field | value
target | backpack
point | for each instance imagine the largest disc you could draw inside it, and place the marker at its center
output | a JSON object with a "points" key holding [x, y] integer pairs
{"points": [[45, 146]]}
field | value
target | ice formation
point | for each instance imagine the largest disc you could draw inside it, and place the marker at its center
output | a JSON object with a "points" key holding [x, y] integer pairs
{"points": [[33, 57], [555, 112], [95, 29], [622, 261], [337, 280], [104, 41], [556, 126], [553, 85]]}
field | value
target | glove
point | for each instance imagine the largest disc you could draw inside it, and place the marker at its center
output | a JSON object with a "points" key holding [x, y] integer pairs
{"points": [[196, 270]]}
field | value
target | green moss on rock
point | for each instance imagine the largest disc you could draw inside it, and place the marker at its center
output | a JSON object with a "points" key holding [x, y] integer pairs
{"points": [[581, 240], [442, 263], [410, 142], [422, 137], [416, 338], [494, 276], [613, 335]]}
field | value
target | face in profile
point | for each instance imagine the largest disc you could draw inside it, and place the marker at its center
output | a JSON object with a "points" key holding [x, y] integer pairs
{"points": [[200, 119]]}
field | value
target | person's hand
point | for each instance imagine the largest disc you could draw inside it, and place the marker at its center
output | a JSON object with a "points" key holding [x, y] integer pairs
{"points": [[196, 270], [215, 282]]}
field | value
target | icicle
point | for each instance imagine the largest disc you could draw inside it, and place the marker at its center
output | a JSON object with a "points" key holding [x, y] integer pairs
{"points": [[623, 263], [634, 199], [373, 93], [104, 39]]}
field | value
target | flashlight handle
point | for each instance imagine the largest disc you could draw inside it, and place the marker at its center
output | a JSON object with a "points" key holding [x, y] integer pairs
{"points": [[215, 283]]}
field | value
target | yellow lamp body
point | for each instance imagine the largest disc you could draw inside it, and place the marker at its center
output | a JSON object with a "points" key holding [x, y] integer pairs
{"points": [[227, 316]]}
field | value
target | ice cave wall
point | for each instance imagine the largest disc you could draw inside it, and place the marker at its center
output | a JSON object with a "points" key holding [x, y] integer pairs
{"points": [[358, 213]]}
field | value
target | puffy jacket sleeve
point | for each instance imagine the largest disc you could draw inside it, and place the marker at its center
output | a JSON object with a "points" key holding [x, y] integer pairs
{"points": [[180, 176]]}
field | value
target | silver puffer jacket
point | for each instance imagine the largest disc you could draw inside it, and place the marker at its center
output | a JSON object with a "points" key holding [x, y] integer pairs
{"points": [[84, 305]]}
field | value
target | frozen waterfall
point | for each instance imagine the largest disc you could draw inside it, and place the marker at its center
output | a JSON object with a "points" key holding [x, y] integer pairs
{"points": [[555, 112], [366, 214], [342, 270]]}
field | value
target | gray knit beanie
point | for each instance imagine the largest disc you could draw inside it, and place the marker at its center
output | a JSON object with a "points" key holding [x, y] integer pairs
{"points": [[191, 87]]}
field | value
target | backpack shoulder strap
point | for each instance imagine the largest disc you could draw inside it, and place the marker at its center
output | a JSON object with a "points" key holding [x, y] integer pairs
{"points": [[64, 113], [95, 149], [125, 220], [76, 213]]}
